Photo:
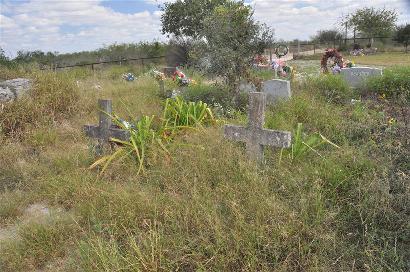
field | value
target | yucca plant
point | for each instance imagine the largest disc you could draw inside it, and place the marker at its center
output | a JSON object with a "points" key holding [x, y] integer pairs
{"points": [[142, 136], [179, 114], [303, 144]]}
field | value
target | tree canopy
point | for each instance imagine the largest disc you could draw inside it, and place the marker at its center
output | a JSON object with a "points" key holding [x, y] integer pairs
{"points": [[233, 38], [186, 17], [373, 22], [403, 35], [327, 36]]}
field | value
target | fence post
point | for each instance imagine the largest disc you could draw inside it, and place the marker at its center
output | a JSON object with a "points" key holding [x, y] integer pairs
{"points": [[298, 47], [314, 48]]}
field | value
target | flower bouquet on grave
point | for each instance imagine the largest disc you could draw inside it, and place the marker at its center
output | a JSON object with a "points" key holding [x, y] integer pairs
{"points": [[181, 78], [128, 77], [281, 69]]}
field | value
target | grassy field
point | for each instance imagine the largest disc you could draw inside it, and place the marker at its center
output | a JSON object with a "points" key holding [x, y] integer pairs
{"points": [[383, 59], [205, 206]]}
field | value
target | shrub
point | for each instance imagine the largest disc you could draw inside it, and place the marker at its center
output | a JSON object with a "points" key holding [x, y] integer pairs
{"points": [[217, 96], [53, 97], [394, 83], [333, 88]]}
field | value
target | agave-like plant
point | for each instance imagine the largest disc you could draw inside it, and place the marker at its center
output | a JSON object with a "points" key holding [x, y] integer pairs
{"points": [[142, 136], [179, 114]]}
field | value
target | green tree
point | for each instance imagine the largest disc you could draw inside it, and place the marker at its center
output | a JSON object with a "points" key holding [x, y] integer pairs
{"points": [[403, 35], [233, 38], [372, 22], [325, 36], [186, 17]]}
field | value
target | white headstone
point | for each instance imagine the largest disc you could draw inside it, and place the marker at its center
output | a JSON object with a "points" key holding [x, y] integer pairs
{"points": [[276, 89], [356, 76]]}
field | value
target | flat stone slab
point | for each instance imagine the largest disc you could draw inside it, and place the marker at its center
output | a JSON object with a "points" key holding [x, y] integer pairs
{"points": [[357, 76], [276, 89]]}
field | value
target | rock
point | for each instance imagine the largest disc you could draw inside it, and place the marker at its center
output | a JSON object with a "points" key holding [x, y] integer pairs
{"points": [[14, 88]]}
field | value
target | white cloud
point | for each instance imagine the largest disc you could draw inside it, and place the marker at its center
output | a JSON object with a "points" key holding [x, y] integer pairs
{"points": [[68, 26], [74, 25], [294, 19]]}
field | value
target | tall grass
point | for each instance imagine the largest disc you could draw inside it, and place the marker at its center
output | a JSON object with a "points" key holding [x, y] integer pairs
{"points": [[210, 208], [394, 83], [331, 87], [53, 97]]}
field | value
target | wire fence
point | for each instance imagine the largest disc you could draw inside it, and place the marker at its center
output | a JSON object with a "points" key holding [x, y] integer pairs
{"points": [[346, 44], [143, 62]]}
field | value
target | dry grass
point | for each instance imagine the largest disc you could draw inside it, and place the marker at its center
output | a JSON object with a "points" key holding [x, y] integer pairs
{"points": [[206, 207]]}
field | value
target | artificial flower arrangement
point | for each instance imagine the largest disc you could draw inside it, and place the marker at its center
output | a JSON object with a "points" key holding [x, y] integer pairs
{"points": [[128, 77], [181, 78], [281, 69], [337, 61]]}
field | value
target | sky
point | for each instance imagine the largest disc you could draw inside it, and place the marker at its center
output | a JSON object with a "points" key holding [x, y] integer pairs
{"points": [[77, 25]]}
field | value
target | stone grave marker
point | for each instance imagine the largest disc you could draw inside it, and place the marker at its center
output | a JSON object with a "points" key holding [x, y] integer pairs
{"points": [[276, 89], [254, 135], [247, 87], [105, 130], [356, 76]]}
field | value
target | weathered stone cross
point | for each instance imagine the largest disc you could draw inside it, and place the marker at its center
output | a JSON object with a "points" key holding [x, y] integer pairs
{"points": [[105, 130], [254, 135]]}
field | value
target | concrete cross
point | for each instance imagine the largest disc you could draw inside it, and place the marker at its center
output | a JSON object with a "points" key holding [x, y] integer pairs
{"points": [[105, 130], [254, 135]]}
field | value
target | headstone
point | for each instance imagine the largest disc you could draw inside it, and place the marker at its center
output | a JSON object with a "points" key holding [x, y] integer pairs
{"points": [[14, 88], [276, 89], [356, 76], [247, 87], [254, 135], [105, 130]]}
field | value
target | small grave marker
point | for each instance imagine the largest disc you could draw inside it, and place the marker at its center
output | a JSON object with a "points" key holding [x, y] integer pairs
{"points": [[254, 135], [247, 87], [356, 76], [105, 130], [276, 89]]}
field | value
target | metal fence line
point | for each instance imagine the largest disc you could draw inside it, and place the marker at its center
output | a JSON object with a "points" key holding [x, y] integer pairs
{"points": [[102, 62]]}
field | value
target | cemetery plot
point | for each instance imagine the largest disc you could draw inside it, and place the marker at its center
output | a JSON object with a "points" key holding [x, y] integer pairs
{"points": [[254, 135], [105, 129]]}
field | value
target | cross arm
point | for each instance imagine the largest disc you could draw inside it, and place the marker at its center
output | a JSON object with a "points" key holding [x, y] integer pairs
{"points": [[235, 133], [119, 134], [91, 131], [273, 138], [95, 132]]}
